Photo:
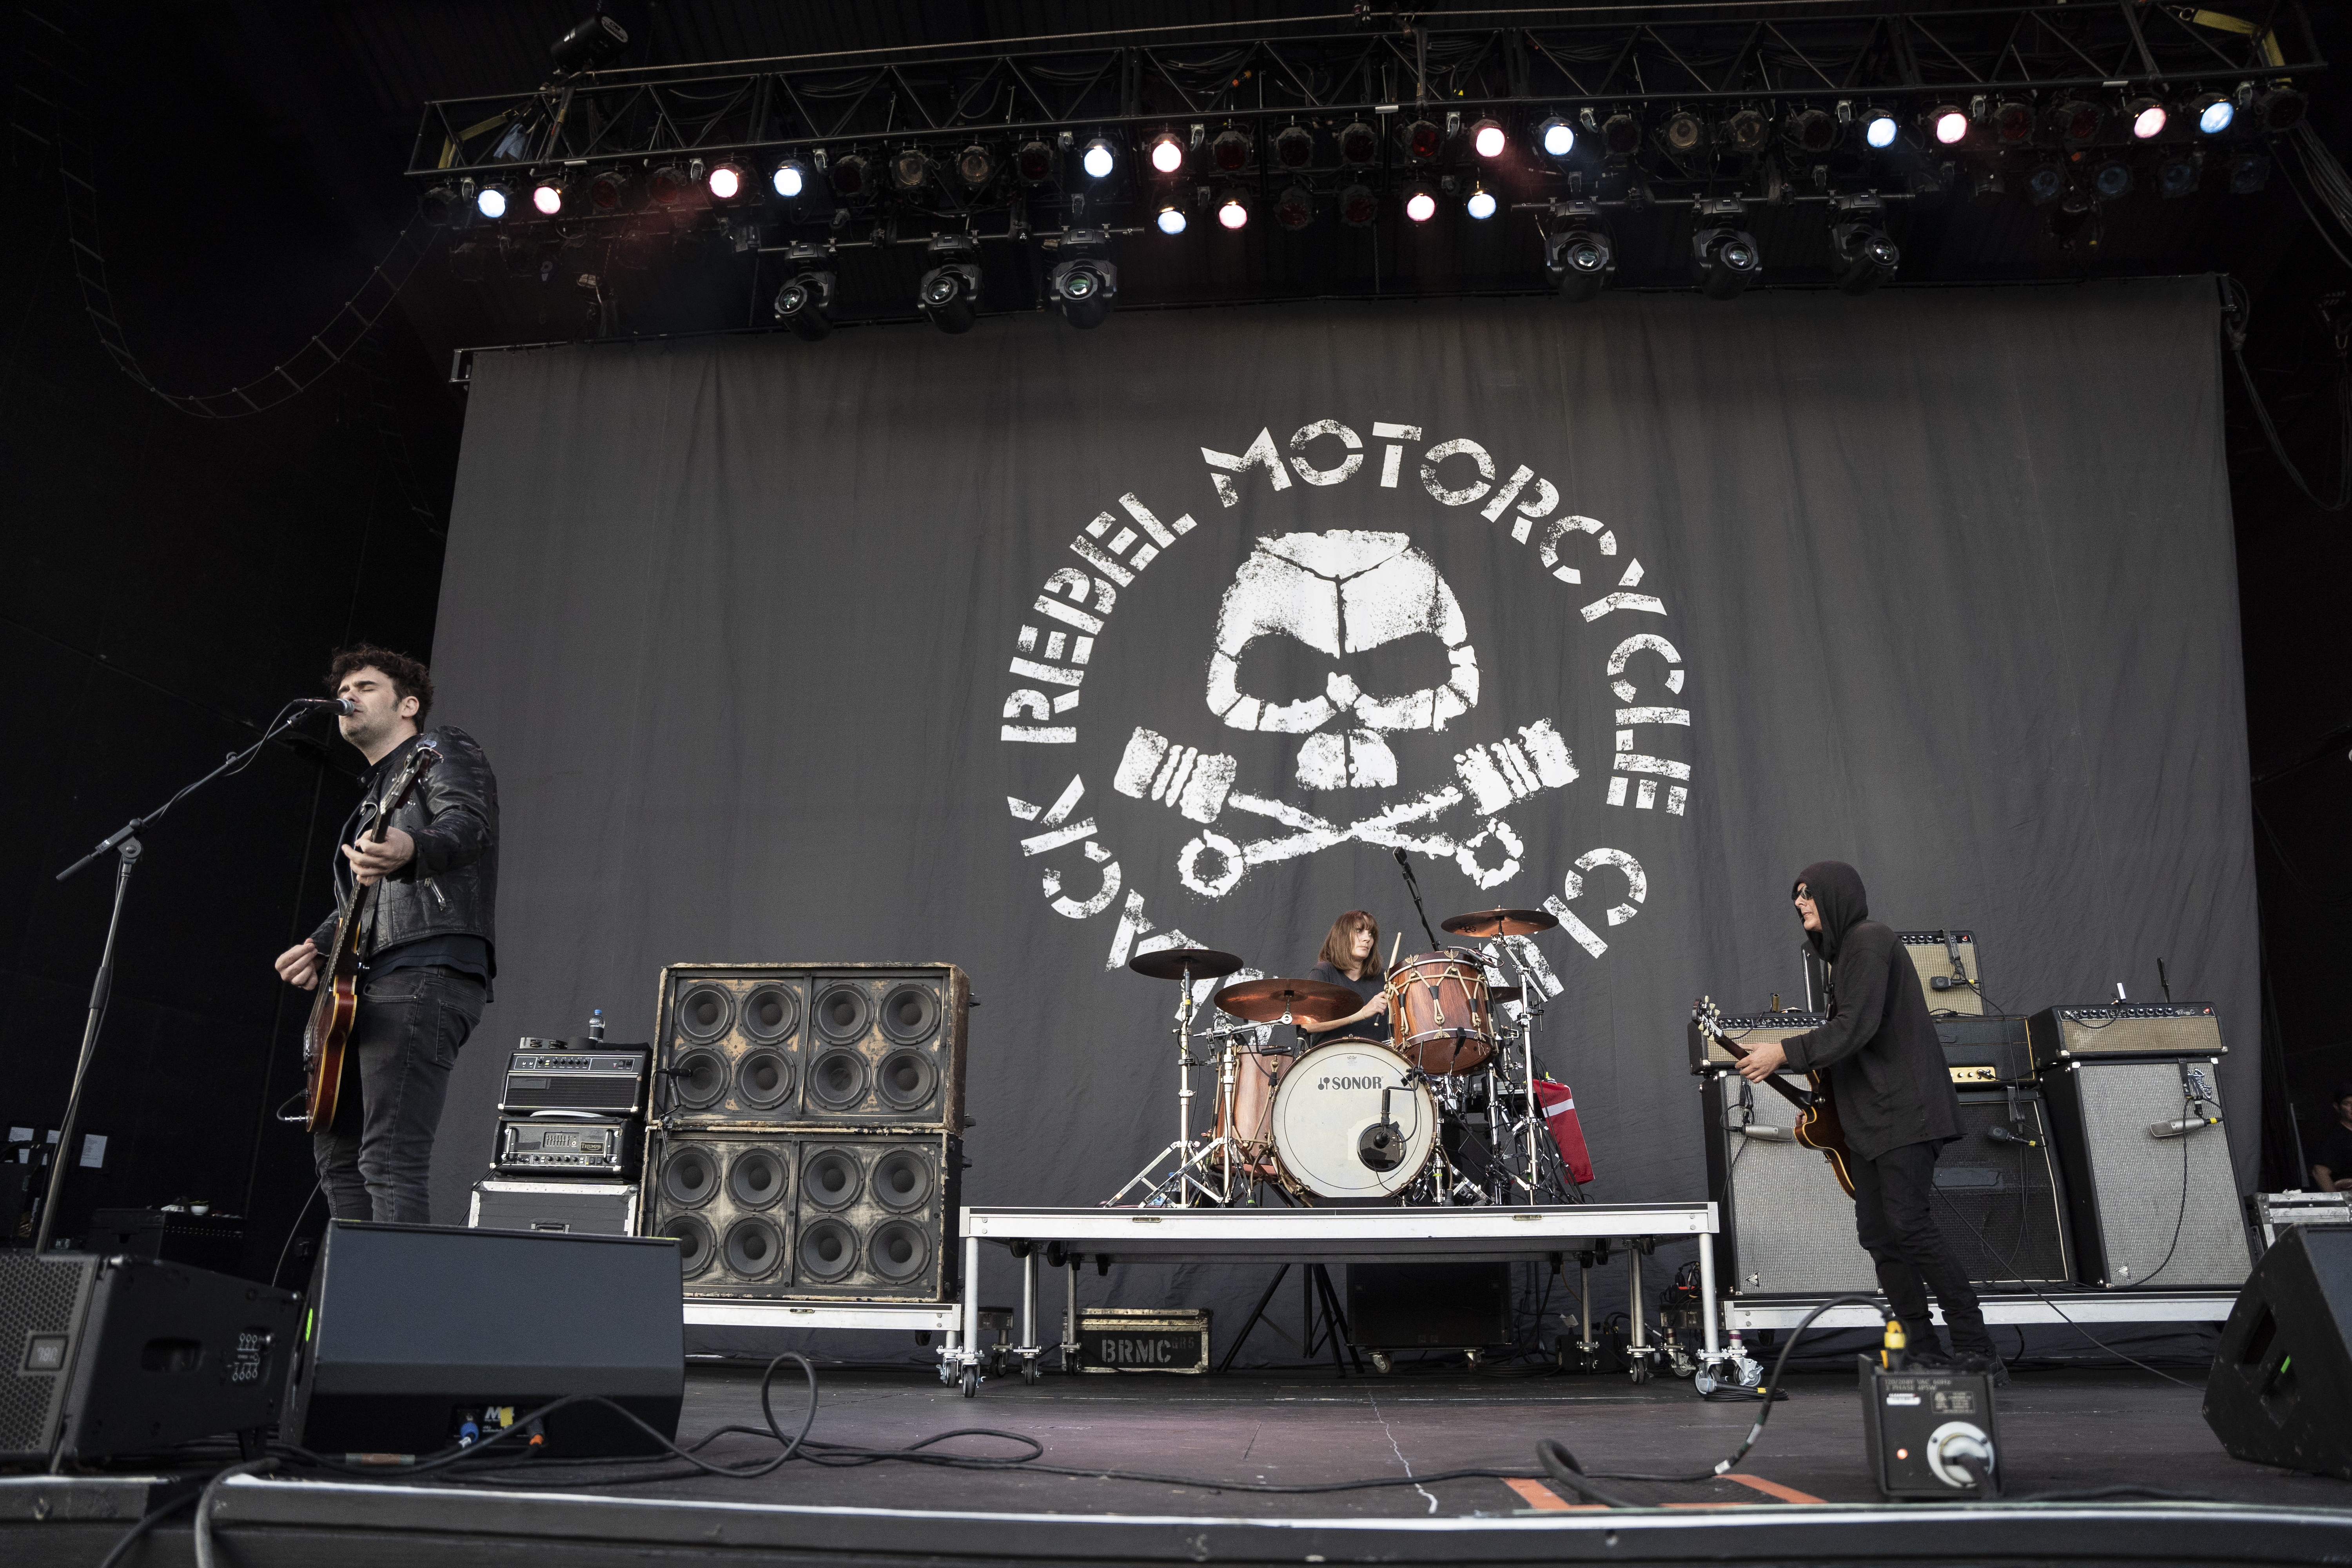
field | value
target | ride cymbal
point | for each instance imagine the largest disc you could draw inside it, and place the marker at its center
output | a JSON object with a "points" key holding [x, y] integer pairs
{"points": [[1171, 964], [1500, 922], [1266, 1001]]}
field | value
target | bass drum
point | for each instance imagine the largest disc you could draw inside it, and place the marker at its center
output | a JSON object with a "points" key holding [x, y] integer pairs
{"points": [[1329, 1138]]}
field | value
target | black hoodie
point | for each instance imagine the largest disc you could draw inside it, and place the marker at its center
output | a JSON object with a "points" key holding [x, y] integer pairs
{"points": [[1879, 1048]]}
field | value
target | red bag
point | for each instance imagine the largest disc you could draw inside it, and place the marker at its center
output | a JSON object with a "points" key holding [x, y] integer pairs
{"points": [[1559, 1104]]}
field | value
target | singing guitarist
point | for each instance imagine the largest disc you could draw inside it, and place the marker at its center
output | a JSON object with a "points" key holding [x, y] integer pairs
{"points": [[1895, 1099], [428, 948]]}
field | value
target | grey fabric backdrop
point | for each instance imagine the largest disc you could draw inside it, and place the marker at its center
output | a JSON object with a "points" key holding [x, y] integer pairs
{"points": [[1950, 574]]}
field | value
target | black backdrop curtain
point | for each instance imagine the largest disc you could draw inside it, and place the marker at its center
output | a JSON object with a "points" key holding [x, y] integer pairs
{"points": [[1026, 648]]}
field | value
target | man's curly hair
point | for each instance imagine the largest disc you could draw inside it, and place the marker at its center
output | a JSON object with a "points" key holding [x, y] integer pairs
{"points": [[409, 679]]}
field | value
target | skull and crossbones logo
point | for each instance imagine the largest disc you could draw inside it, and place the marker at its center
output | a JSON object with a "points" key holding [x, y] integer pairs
{"points": [[1337, 595]]}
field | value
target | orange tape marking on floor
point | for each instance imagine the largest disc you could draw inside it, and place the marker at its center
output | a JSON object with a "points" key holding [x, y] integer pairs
{"points": [[1540, 1496], [1773, 1489]]}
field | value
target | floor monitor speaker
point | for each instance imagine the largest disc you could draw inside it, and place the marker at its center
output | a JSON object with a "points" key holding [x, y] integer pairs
{"points": [[796, 1043], [2280, 1385], [416, 1330], [117, 1355]]}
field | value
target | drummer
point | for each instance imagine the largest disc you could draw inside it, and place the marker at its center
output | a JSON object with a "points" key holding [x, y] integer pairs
{"points": [[1352, 958]]}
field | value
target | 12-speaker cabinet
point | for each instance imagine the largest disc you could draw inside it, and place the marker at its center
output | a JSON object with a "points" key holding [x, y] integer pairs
{"points": [[815, 1043], [765, 1214]]}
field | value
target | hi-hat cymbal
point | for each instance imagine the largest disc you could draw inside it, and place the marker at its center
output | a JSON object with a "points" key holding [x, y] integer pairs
{"points": [[1266, 1001], [1500, 922], [1498, 995], [1171, 964]]}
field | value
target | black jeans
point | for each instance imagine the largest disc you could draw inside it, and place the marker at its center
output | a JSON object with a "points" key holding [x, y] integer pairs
{"points": [[1890, 1211], [377, 1157]]}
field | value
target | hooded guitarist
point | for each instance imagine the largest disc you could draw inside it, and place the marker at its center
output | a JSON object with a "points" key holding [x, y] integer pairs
{"points": [[425, 944], [1895, 1096]]}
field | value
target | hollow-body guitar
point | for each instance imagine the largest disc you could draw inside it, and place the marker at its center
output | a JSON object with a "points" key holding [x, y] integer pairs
{"points": [[1817, 1115], [337, 1001]]}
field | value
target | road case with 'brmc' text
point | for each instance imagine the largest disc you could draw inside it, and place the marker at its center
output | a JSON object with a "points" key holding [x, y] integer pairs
{"points": [[1144, 1339]]}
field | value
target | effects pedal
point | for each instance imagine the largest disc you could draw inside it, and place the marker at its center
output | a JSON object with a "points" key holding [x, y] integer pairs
{"points": [[1930, 1434]]}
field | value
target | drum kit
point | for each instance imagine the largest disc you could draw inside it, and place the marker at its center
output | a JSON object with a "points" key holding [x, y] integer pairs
{"points": [[1443, 1112]]}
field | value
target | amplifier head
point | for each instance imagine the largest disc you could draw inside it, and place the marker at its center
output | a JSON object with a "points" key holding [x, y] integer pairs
{"points": [[542, 1075], [603, 1145], [1947, 962], [2100, 1029], [1749, 1029]]}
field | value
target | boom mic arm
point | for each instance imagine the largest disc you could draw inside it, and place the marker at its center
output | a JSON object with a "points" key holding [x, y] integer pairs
{"points": [[1413, 886]]}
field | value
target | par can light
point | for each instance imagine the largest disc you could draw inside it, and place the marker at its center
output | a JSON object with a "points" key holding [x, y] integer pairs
{"points": [[2212, 112], [491, 202], [2012, 123], [1359, 207], [1620, 135], [1166, 154], [727, 182], [1294, 147], [2281, 108], [1098, 160], [1033, 163], [668, 185], [1685, 133], [2147, 117], [1295, 209], [1359, 146], [1420, 203], [2079, 121], [1879, 130], [1423, 141], [608, 192], [789, 179], [546, 197], [1749, 131], [1480, 204], [1949, 124], [1172, 219], [1230, 152], [1555, 137], [1233, 212], [975, 167], [1815, 130], [1487, 140]]}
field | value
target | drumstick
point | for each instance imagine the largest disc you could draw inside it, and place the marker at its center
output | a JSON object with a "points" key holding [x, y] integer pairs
{"points": [[1395, 942]]}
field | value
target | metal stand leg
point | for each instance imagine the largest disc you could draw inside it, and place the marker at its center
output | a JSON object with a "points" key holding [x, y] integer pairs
{"points": [[1028, 1350], [1251, 1321], [1709, 1323], [1637, 1345], [972, 1355], [1070, 1316]]}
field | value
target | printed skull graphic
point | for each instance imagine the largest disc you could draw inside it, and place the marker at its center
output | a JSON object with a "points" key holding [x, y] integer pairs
{"points": [[1341, 594]]}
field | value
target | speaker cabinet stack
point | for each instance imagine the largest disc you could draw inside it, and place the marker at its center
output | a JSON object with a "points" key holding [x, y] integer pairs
{"points": [[808, 1141]]}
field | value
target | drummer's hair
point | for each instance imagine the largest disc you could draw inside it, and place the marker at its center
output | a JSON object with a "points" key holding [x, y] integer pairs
{"points": [[1335, 946]]}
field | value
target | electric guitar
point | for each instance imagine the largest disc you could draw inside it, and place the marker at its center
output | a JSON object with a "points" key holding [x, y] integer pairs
{"points": [[1817, 1115], [338, 1003]]}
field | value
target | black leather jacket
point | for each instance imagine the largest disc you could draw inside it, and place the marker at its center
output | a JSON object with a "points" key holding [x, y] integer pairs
{"points": [[451, 886]]}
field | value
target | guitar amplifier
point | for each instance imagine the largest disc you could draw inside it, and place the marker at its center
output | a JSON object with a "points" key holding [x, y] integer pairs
{"points": [[1947, 962], [548, 1075], [578, 1145], [1985, 1053], [1750, 1030], [2103, 1029]]}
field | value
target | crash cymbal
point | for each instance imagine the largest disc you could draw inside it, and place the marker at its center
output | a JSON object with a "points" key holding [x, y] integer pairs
{"points": [[1170, 962], [1500, 922], [1266, 1001], [1498, 995]]}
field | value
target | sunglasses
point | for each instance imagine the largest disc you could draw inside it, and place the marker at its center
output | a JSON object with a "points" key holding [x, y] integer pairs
{"points": [[1802, 896]]}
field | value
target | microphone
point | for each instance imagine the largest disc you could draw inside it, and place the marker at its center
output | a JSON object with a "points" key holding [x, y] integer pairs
{"points": [[339, 704], [1401, 859], [1762, 1133], [2001, 1134], [2181, 1126]]}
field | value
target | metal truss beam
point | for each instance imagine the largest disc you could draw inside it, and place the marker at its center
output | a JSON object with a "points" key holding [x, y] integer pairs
{"points": [[1118, 83]]}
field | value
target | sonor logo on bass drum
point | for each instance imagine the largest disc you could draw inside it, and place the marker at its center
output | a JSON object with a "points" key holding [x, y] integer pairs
{"points": [[1372, 1082]]}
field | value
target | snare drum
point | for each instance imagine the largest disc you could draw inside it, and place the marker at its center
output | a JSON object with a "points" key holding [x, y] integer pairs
{"points": [[1329, 1138], [1437, 1011]]}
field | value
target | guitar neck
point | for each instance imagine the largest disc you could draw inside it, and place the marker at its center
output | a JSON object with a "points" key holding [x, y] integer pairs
{"points": [[1796, 1097]]}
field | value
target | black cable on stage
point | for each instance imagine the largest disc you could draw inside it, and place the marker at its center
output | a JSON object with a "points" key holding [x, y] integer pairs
{"points": [[295, 1229], [138, 1533]]}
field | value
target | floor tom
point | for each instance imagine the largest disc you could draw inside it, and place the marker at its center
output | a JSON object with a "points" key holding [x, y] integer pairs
{"points": [[1438, 1011]]}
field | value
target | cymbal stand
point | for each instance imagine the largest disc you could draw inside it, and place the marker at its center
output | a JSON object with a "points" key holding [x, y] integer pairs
{"points": [[1184, 1185], [1531, 1003]]}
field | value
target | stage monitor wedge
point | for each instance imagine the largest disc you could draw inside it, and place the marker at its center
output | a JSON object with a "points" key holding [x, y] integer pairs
{"points": [[868, 1045], [119, 1355], [2281, 1385], [411, 1326]]}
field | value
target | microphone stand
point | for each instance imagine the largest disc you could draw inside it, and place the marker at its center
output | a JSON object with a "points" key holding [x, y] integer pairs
{"points": [[1413, 886], [123, 842]]}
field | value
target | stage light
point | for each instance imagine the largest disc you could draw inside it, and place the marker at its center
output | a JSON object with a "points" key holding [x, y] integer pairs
{"points": [[668, 185], [805, 301], [1098, 160], [589, 43], [2112, 179], [1685, 132], [1295, 208], [1033, 163], [547, 196], [1420, 203], [2179, 172], [975, 167], [1359, 207], [1167, 153], [1557, 137], [1084, 285], [2212, 112], [608, 191], [1724, 258], [950, 292], [1949, 123], [1423, 141], [727, 182], [1815, 131], [2248, 173], [1359, 146], [1579, 261], [1294, 146], [439, 204], [2146, 117], [1879, 129], [2045, 184], [1480, 204], [2281, 108], [910, 170], [2079, 121], [1233, 212], [1487, 139], [1229, 149], [1749, 131], [491, 202], [1863, 257], [1620, 135], [847, 173], [1172, 219]]}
